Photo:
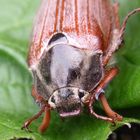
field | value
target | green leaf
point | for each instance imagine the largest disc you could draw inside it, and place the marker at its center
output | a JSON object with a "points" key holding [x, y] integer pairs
{"points": [[16, 104]]}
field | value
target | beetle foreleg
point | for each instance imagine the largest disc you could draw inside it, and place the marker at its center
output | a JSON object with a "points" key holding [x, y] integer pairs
{"points": [[112, 115], [44, 108], [117, 38], [46, 120], [92, 112], [29, 121]]}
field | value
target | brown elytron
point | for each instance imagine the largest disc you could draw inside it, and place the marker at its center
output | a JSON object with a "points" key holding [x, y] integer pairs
{"points": [[88, 22], [72, 43]]}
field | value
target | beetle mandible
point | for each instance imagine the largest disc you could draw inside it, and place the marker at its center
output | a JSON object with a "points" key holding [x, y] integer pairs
{"points": [[72, 44]]}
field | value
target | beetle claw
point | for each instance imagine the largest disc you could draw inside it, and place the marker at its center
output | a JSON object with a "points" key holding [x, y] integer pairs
{"points": [[116, 117], [113, 123], [26, 128]]}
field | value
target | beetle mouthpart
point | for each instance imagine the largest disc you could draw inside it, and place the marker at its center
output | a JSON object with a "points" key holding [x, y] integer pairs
{"points": [[68, 114], [69, 109]]}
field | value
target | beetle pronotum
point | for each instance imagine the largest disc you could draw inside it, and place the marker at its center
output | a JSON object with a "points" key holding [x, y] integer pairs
{"points": [[72, 43]]}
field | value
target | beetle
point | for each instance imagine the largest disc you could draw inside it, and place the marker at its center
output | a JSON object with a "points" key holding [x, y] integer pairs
{"points": [[72, 44]]}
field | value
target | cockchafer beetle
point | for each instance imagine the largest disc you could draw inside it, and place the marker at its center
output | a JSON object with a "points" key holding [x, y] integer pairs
{"points": [[72, 43]]}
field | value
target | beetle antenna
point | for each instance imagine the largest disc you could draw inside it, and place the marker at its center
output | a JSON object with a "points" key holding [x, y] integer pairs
{"points": [[126, 19]]}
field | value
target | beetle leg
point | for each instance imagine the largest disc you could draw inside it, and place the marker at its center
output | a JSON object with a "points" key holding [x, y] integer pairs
{"points": [[46, 120], [44, 108], [92, 112], [117, 38], [37, 97], [122, 31], [29, 121], [112, 115]]}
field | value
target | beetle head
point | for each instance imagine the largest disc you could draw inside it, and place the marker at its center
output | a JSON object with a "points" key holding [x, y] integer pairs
{"points": [[68, 101]]}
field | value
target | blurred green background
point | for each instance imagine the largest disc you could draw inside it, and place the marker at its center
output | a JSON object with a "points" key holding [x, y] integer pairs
{"points": [[16, 103]]}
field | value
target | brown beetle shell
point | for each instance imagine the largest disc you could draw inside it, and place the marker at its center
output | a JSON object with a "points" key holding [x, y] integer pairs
{"points": [[86, 22]]}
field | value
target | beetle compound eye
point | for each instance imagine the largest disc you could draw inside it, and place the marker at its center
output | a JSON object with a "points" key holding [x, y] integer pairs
{"points": [[51, 102], [52, 99], [81, 93]]}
